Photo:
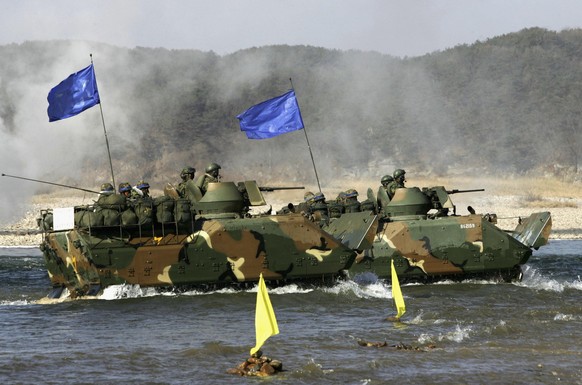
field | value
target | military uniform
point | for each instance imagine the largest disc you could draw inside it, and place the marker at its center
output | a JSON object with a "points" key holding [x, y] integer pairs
{"points": [[319, 210], [397, 183], [187, 174], [211, 176], [382, 197], [351, 203]]}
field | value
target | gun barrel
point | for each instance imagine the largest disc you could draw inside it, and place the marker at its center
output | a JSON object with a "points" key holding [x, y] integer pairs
{"points": [[456, 191], [267, 188]]}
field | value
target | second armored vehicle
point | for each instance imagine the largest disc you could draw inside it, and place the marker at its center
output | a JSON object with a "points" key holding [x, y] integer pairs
{"points": [[421, 232]]}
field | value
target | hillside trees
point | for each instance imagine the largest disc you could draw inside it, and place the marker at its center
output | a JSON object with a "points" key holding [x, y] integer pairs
{"points": [[510, 103]]}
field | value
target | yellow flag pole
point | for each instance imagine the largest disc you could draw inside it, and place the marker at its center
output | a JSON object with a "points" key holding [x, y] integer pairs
{"points": [[397, 293], [265, 320]]}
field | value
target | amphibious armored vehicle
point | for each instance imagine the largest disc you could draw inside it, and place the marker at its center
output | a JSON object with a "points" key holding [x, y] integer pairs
{"points": [[428, 241], [213, 240], [206, 242]]}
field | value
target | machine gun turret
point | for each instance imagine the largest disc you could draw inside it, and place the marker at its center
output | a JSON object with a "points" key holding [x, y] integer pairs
{"points": [[455, 191], [440, 199], [269, 189]]}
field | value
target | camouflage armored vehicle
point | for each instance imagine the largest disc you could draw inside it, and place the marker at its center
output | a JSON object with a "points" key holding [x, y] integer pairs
{"points": [[420, 231], [206, 241]]}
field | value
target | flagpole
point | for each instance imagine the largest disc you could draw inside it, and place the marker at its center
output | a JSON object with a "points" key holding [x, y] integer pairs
{"points": [[104, 130], [307, 140]]}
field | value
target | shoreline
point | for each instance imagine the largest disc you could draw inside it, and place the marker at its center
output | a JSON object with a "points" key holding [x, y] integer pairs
{"points": [[565, 212]]}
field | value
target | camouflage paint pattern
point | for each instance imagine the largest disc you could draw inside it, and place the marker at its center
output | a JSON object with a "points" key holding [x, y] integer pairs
{"points": [[451, 247], [224, 245], [219, 252]]}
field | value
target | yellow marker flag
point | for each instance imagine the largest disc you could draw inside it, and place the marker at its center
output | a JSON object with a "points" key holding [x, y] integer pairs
{"points": [[397, 293], [265, 321]]}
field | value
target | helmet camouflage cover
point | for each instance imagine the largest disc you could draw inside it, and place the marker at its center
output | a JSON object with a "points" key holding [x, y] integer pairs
{"points": [[107, 187], [123, 187]]}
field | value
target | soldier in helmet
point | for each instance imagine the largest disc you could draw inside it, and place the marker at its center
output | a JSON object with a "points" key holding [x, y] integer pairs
{"points": [[304, 207], [143, 203], [212, 175], [106, 189], [351, 203], [319, 210], [144, 189], [337, 208], [383, 196], [125, 190], [186, 175], [397, 183]]}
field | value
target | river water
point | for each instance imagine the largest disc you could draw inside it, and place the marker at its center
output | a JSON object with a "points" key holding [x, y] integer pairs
{"points": [[475, 332]]}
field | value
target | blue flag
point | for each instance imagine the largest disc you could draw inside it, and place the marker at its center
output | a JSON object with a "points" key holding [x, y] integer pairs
{"points": [[73, 95], [272, 117]]}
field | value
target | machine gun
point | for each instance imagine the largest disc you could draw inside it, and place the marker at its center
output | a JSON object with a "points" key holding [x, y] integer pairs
{"points": [[440, 199], [455, 191], [269, 189]]}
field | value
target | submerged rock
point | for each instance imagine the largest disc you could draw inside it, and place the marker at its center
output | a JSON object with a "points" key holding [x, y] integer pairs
{"points": [[257, 365]]}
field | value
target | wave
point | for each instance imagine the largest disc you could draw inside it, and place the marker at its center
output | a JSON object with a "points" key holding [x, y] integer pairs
{"points": [[457, 335], [534, 279]]}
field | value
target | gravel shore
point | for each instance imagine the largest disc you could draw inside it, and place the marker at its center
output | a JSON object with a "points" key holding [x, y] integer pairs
{"points": [[566, 218]]}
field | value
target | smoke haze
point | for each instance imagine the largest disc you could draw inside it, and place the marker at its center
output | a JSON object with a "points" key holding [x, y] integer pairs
{"points": [[63, 151]]}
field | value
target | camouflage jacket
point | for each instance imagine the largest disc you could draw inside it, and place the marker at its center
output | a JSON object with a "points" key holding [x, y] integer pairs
{"points": [[202, 182], [391, 189]]}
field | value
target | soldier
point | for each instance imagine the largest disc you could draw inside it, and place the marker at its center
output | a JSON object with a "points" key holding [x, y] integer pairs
{"points": [[144, 189], [143, 203], [186, 175], [383, 197], [125, 190], [111, 205], [212, 175], [106, 189], [336, 208], [397, 183], [319, 209], [351, 203], [305, 206]]}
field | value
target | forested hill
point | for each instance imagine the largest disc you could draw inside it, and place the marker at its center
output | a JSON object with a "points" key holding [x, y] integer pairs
{"points": [[508, 105]]}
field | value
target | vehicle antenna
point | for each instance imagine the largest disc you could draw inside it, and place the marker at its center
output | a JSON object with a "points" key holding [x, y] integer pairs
{"points": [[54, 184], [104, 130], [307, 140]]}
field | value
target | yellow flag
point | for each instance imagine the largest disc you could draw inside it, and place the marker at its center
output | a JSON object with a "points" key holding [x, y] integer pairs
{"points": [[397, 293], [265, 321]]}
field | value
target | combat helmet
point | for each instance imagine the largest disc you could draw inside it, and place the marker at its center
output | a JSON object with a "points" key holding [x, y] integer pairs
{"points": [[212, 167], [386, 179], [351, 193], [319, 197], [399, 175], [187, 171], [123, 187], [142, 185], [308, 196], [107, 188]]}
